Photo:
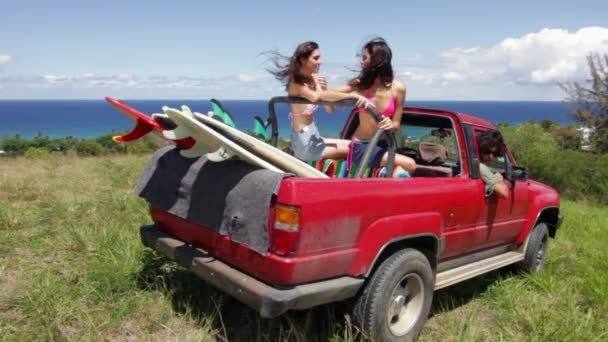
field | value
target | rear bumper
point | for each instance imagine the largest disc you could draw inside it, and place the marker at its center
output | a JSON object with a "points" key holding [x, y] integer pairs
{"points": [[267, 300]]}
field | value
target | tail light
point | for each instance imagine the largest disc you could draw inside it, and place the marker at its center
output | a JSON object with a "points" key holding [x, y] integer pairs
{"points": [[285, 230]]}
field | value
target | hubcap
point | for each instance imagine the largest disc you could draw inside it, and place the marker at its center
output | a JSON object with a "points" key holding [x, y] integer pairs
{"points": [[405, 304], [540, 255]]}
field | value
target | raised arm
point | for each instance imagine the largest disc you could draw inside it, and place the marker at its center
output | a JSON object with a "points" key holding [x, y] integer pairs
{"points": [[342, 89], [325, 95]]}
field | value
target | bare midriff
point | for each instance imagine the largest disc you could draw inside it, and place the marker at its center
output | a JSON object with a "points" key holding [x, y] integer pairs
{"points": [[301, 116]]}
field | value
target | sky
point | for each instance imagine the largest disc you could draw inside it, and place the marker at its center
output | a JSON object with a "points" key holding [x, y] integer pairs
{"points": [[442, 50]]}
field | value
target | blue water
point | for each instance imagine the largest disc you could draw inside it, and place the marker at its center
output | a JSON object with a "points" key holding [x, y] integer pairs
{"points": [[92, 118]]}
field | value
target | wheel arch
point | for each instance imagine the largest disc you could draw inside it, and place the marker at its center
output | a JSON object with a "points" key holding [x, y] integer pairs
{"points": [[427, 244], [549, 216]]}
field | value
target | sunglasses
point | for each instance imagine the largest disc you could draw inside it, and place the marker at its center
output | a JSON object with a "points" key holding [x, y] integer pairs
{"points": [[492, 153]]}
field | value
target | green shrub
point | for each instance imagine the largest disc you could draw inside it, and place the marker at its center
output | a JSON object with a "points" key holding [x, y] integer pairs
{"points": [[566, 137], [141, 147], [37, 153], [578, 175], [574, 173], [89, 148], [531, 145], [110, 145], [14, 145]]}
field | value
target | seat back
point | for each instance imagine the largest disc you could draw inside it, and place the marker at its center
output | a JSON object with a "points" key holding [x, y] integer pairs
{"points": [[432, 154]]}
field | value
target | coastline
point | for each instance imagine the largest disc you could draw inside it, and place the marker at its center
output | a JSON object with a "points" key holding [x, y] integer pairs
{"points": [[85, 119]]}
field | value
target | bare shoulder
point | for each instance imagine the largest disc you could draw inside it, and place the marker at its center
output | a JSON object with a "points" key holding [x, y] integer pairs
{"points": [[294, 89], [399, 86]]}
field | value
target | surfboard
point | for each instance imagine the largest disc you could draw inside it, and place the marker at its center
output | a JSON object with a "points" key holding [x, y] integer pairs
{"points": [[143, 125], [268, 152], [216, 146]]}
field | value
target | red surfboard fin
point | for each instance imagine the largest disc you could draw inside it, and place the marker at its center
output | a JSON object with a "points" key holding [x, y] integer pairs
{"points": [[141, 128]]}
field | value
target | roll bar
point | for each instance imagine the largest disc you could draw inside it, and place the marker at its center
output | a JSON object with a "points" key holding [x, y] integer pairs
{"points": [[390, 137]]}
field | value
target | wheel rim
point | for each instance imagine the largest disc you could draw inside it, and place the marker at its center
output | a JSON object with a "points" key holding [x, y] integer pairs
{"points": [[540, 255], [405, 304]]}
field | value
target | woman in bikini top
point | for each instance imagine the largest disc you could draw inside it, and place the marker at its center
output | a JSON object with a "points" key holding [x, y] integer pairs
{"points": [[377, 83], [386, 105], [300, 80]]}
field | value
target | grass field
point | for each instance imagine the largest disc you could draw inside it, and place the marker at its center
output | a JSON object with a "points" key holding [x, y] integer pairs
{"points": [[72, 268]]}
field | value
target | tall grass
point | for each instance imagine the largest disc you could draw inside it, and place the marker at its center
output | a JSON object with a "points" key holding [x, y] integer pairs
{"points": [[72, 268]]}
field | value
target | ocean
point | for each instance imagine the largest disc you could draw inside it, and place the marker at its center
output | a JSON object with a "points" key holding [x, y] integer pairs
{"points": [[92, 118]]}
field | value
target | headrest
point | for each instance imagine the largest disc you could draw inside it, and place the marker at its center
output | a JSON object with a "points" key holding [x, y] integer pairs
{"points": [[431, 154]]}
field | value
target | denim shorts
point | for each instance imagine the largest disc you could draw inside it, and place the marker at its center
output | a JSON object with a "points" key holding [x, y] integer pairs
{"points": [[358, 148], [307, 143]]}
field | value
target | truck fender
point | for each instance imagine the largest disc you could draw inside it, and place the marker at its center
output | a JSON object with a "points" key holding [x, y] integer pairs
{"points": [[395, 229], [532, 219]]}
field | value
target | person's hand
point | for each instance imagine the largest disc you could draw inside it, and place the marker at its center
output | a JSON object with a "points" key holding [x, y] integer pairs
{"points": [[321, 82], [386, 123], [499, 176], [363, 102]]}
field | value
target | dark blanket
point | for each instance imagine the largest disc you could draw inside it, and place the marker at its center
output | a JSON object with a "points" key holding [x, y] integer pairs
{"points": [[230, 197]]}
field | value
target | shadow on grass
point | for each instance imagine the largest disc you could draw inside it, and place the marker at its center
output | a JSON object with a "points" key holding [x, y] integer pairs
{"points": [[233, 320], [453, 297]]}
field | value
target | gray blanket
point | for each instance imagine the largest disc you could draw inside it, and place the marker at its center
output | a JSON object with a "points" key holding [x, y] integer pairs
{"points": [[230, 197]]}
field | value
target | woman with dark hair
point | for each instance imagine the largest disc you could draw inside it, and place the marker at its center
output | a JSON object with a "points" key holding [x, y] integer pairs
{"points": [[300, 79], [376, 82]]}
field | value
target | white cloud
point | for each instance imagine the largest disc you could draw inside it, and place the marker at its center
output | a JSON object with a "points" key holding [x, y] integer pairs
{"points": [[231, 86], [516, 68], [544, 58], [251, 77], [87, 80]]}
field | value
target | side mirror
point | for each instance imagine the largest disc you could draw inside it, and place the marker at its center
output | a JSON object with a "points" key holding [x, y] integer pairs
{"points": [[518, 174]]}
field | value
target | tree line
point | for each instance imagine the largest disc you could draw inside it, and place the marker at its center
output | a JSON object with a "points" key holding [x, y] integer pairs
{"points": [[42, 146]]}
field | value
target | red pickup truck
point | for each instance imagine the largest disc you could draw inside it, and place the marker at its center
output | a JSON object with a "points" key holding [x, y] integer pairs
{"points": [[387, 242]]}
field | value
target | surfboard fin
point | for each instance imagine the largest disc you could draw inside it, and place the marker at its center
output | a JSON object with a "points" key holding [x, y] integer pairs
{"points": [[199, 148], [259, 128], [222, 153], [141, 128], [223, 114], [186, 110], [180, 131], [195, 151]]}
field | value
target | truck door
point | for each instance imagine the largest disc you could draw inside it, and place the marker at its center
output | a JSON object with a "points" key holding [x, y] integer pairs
{"points": [[503, 218]]}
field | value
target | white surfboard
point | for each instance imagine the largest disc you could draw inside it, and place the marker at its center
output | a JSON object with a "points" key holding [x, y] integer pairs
{"points": [[215, 145], [268, 152]]}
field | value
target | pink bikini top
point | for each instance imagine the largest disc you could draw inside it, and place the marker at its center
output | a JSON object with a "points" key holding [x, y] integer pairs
{"points": [[308, 110], [389, 111]]}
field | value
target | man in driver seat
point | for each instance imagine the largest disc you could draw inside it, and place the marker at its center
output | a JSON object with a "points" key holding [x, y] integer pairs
{"points": [[491, 146]]}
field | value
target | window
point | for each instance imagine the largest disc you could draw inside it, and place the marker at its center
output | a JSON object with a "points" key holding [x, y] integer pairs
{"points": [[418, 128]]}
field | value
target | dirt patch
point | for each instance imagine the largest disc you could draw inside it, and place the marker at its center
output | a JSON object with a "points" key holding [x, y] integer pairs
{"points": [[10, 284], [11, 314], [68, 332]]}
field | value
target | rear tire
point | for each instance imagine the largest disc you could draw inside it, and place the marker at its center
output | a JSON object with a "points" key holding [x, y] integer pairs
{"points": [[396, 302], [534, 260]]}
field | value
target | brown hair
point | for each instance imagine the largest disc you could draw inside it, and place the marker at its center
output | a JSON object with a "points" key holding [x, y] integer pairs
{"points": [[489, 139], [290, 71], [379, 66]]}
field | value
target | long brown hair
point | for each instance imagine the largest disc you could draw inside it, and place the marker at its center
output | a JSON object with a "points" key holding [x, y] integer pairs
{"points": [[379, 67], [291, 70]]}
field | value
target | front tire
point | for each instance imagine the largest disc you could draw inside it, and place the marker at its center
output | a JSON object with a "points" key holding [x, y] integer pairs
{"points": [[536, 252], [396, 302]]}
